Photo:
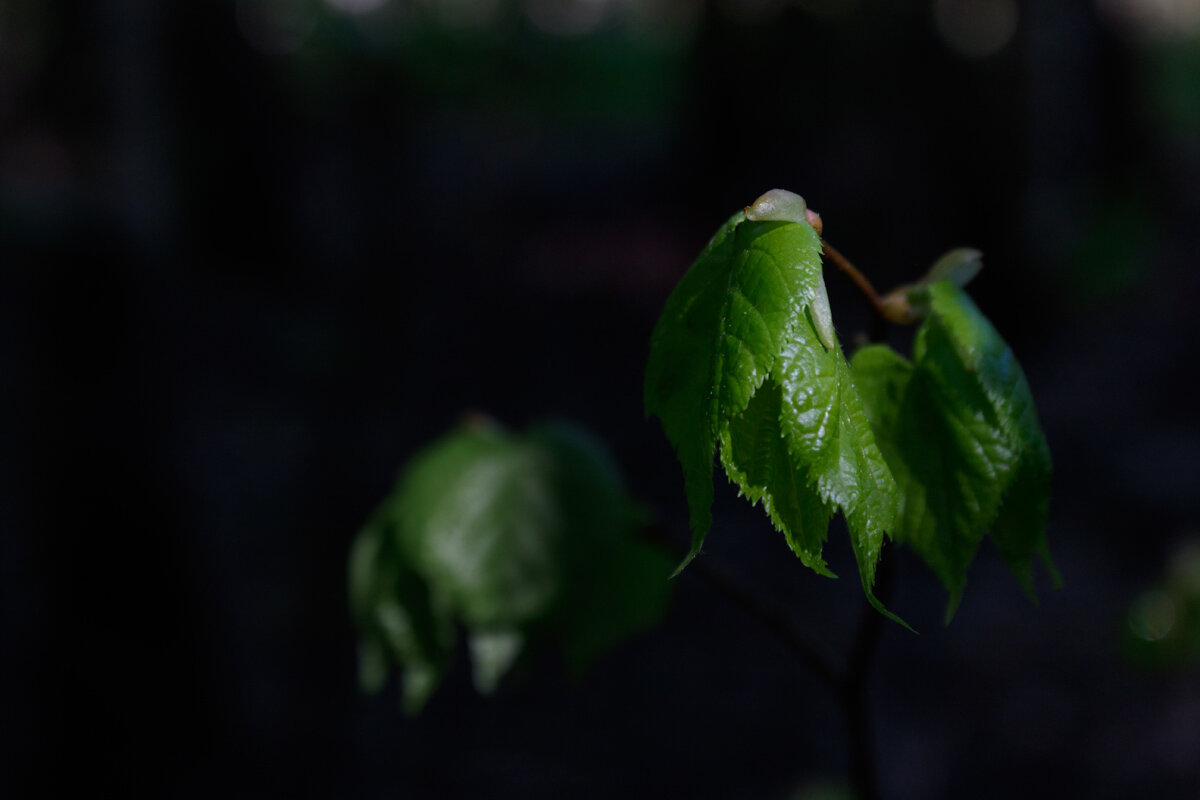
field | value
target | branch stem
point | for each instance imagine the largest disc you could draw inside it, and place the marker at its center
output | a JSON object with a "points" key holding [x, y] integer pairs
{"points": [[848, 684], [805, 644], [855, 681], [860, 280], [880, 319]]}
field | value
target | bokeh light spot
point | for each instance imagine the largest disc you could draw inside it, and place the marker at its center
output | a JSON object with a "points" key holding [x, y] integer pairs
{"points": [[975, 28], [1152, 616], [356, 6], [1154, 19], [567, 17], [276, 27]]}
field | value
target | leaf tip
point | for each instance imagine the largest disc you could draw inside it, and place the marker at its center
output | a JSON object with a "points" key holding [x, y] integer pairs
{"points": [[882, 609], [959, 266], [951, 608], [695, 551]]}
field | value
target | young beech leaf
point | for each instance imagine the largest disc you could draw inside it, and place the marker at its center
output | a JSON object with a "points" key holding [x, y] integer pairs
{"points": [[828, 434], [755, 455], [1020, 527], [744, 356], [719, 336], [958, 429], [904, 303], [519, 539], [959, 266]]}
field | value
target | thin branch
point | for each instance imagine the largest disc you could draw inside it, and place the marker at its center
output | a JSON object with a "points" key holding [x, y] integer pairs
{"points": [[860, 280], [880, 318], [815, 654], [849, 684], [807, 646], [854, 684]]}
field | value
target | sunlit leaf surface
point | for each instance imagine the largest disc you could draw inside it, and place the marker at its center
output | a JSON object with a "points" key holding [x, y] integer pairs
{"points": [[744, 363]]}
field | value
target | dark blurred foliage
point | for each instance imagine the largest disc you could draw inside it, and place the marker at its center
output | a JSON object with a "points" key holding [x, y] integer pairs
{"points": [[256, 253]]}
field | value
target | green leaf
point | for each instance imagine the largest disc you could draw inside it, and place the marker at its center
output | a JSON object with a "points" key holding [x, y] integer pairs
{"points": [[755, 455], [493, 653], [518, 539], [946, 502], [616, 585], [397, 620], [744, 356], [959, 431], [719, 336], [480, 523], [1019, 530], [830, 437], [959, 266]]}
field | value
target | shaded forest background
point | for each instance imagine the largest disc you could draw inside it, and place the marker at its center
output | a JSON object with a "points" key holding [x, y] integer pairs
{"points": [[256, 253]]}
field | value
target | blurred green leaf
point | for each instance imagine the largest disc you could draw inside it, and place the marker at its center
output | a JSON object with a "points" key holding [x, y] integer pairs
{"points": [[397, 620], [521, 540], [478, 520], [959, 266]]}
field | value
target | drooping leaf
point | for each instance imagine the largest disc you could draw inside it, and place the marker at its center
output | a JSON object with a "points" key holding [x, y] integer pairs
{"points": [[1020, 526], [755, 455], [830, 437], [958, 428], [617, 585], [397, 620], [719, 336], [946, 502], [744, 356], [521, 540]]}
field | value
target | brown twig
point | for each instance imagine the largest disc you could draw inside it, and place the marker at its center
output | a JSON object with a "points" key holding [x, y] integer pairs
{"points": [[860, 280], [881, 317]]}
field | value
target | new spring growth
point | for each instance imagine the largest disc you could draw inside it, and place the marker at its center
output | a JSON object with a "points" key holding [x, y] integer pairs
{"points": [[780, 205], [959, 266]]}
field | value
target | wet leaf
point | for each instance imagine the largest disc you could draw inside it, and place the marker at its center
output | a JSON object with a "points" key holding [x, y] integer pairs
{"points": [[745, 356]]}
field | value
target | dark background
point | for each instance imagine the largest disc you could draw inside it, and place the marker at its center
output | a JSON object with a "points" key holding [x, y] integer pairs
{"points": [[256, 253]]}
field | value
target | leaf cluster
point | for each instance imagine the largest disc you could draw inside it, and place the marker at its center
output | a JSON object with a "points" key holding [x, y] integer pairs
{"points": [[959, 431], [745, 366], [517, 539]]}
